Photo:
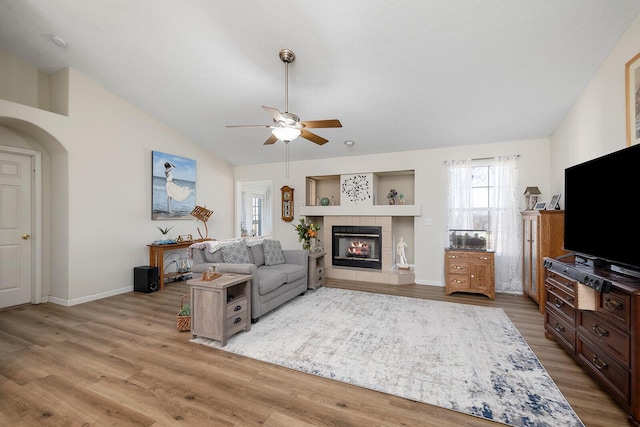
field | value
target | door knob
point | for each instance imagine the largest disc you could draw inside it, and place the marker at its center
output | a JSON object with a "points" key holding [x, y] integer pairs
{"points": [[26, 236]]}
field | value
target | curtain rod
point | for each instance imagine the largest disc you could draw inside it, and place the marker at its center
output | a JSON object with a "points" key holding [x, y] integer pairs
{"points": [[485, 158]]}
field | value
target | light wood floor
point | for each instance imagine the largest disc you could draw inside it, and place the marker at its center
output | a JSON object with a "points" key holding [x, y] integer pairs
{"points": [[121, 361]]}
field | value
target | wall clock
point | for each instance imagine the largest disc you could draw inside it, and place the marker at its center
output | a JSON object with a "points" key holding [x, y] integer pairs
{"points": [[287, 203]]}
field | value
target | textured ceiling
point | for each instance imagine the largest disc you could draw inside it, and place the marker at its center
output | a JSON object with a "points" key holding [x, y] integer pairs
{"points": [[400, 75]]}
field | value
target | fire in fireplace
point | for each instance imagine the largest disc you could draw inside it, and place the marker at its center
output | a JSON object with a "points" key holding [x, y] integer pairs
{"points": [[357, 246]]}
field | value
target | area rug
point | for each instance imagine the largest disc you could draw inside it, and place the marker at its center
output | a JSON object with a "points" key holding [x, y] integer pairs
{"points": [[466, 358]]}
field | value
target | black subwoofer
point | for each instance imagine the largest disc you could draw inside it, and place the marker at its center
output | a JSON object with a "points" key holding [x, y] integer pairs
{"points": [[145, 279]]}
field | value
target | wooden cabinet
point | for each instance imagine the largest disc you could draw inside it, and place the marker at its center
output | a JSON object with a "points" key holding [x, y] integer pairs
{"points": [[221, 308], [315, 272], [604, 341], [469, 271], [542, 236]]}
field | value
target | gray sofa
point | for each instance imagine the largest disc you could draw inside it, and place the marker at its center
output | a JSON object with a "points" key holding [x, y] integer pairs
{"points": [[278, 275]]}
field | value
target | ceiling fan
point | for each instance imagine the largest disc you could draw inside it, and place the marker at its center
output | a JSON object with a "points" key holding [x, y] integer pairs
{"points": [[287, 126]]}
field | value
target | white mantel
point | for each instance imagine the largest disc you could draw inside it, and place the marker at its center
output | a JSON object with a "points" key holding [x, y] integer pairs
{"points": [[375, 210]]}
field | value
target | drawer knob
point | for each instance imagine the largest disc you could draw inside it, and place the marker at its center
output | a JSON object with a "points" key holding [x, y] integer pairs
{"points": [[558, 327], [612, 305], [598, 363], [237, 308], [238, 320], [558, 302], [599, 331]]}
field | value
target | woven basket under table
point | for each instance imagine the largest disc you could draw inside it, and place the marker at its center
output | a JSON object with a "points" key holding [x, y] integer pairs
{"points": [[183, 322]]}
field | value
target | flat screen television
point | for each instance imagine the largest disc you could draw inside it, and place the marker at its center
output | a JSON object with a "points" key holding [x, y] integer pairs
{"points": [[600, 202]]}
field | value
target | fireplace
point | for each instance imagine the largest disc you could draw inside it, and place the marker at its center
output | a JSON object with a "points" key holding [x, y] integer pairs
{"points": [[356, 246]]}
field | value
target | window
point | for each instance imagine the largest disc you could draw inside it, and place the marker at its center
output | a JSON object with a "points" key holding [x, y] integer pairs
{"points": [[484, 195], [256, 215]]}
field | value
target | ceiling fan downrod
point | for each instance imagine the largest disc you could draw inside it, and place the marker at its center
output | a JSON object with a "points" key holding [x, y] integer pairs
{"points": [[286, 56]]}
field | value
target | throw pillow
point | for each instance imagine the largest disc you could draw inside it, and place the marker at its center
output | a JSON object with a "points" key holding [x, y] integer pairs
{"points": [[273, 252], [236, 253]]}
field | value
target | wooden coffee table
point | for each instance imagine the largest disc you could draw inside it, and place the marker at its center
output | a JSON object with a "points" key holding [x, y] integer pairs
{"points": [[222, 307]]}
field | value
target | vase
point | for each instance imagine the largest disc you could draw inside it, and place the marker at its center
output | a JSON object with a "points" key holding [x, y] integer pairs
{"points": [[306, 245]]}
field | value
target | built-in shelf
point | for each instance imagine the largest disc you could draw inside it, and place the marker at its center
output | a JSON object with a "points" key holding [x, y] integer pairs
{"points": [[375, 210]]}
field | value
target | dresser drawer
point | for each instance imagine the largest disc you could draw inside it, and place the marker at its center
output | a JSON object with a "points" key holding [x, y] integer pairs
{"points": [[457, 256], [561, 300], [458, 268], [557, 326], [613, 376], [235, 307], [319, 271], [458, 281], [607, 336], [237, 323], [616, 307]]}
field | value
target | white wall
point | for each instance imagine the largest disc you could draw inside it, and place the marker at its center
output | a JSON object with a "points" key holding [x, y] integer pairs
{"points": [[430, 183], [596, 124], [100, 196]]}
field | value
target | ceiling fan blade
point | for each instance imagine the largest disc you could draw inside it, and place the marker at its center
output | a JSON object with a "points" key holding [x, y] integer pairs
{"points": [[275, 113], [272, 139], [313, 137], [332, 123], [248, 126]]}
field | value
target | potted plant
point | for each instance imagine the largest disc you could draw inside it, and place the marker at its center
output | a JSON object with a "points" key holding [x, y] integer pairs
{"points": [[165, 231]]}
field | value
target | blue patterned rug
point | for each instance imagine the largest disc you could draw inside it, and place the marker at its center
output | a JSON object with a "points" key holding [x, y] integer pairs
{"points": [[466, 358]]}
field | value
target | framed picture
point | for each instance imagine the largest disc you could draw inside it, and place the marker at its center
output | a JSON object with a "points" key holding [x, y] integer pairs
{"points": [[632, 83], [540, 206], [173, 186], [554, 203]]}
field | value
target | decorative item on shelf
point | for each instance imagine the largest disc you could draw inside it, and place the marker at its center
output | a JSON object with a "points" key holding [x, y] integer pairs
{"points": [[184, 238], [165, 240], [554, 204], [243, 230], [202, 214], [531, 196], [391, 196], [319, 246], [184, 315], [306, 232], [325, 201], [210, 274], [183, 265], [401, 196]]}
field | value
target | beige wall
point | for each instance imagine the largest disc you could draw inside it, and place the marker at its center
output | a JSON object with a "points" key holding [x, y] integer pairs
{"points": [[99, 168], [596, 124]]}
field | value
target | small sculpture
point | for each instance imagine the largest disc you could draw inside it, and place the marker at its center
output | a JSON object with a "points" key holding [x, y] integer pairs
{"points": [[402, 259]]}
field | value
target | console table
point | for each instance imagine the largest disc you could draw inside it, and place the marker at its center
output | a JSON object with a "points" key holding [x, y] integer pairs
{"points": [[221, 307], [605, 338], [156, 258]]}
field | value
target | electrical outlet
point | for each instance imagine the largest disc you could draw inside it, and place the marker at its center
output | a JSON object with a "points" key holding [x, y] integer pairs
{"points": [[428, 221]]}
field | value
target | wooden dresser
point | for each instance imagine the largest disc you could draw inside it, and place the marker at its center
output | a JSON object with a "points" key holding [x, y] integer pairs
{"points": [[542, 236], [469, 271], [604, 340]]}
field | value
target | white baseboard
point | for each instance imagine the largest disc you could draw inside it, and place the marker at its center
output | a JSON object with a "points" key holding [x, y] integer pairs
{"points": [[89, 298]]}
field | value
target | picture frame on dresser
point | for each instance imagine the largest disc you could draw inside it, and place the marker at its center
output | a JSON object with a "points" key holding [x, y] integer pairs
{"points": [[632, 86], [554, 203], [540, 206]]}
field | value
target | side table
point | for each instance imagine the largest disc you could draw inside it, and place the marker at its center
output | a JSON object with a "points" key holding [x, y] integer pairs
{"points": [[222, 307], [315, 272]]}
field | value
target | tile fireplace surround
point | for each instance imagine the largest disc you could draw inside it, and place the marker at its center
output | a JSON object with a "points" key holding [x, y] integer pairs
{"points": [[387, 274]]}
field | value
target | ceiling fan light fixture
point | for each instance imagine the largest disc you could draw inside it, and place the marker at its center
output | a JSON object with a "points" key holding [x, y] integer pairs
{"points": [[286, 134]]}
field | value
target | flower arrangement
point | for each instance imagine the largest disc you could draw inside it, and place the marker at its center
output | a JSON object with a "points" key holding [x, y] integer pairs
{"points": [[306, 232], [392, 196]]}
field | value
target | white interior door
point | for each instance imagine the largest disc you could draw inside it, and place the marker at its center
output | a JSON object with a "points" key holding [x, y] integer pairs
{"points": [[16, 249]]}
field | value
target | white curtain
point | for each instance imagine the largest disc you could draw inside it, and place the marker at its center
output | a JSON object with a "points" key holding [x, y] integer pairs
{"points": [[504, 219], [505, 225]]}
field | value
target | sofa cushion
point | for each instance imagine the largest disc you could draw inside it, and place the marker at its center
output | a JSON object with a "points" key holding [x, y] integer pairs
{"points": [[270, 279], [213, 256], [292, 272], [273, 252], [257, 253], [236, 253]]}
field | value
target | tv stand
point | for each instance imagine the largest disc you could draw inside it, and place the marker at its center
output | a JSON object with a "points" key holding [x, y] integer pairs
{"points": [[605, 339]]}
